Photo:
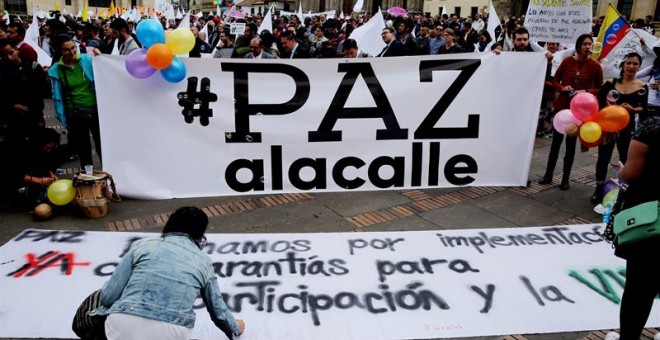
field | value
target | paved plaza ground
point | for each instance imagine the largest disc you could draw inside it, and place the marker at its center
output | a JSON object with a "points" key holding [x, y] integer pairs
{"points": [[406, 210]]}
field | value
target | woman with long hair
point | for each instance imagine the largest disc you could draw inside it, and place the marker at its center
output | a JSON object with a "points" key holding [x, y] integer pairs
{"points": [[575, 74], [630, 93]]}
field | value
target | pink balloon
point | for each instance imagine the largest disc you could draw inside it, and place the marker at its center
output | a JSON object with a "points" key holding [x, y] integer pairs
{"points": [[584, 106], [563, 118]]}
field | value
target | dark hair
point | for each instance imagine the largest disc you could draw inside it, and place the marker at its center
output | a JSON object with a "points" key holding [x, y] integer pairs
{"points": [[267, 38], [61, 39], [188, 220], [487, 35], [519, 31], [350, 43], [389, 29], [119, 24], [3, 26], [19, 28], [288, 35], [5, 42], [580, 40], [47, 135], [623, 61], [56, 26], [495, 45], [253, 28]]}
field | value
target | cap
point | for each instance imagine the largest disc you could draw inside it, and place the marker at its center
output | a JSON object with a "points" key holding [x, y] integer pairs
{"points": [[216, 20]]}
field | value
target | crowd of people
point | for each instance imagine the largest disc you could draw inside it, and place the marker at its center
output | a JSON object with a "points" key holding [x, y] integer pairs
{"points": [[35, 152]]}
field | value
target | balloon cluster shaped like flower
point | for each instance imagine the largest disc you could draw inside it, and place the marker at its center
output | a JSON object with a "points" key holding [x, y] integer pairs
{"points": [[584, 119], [160, 51]]}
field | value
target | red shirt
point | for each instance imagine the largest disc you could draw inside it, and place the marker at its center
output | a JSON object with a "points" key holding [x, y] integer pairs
{"points": [[583, 75]]}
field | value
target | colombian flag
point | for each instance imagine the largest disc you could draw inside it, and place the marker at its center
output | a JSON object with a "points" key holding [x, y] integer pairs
{"points": [[612, 31]]}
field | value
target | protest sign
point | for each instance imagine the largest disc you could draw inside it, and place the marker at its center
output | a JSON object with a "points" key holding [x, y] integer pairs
{"points": [[391, 285], [260, 126], [559, 21]]}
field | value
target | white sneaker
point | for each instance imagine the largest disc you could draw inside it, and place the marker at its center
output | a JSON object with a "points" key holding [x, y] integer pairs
{"points": [[614, 336]]}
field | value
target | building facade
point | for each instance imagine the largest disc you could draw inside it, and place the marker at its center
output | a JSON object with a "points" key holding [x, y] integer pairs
{"points": [[632, 9]]}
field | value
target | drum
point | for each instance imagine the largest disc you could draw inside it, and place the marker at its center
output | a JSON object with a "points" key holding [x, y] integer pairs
{"points": [[94, 193]]}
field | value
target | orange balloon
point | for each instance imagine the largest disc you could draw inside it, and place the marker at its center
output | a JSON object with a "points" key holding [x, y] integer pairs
{"points": [[572, 130], [613, 118], [159, 56]]}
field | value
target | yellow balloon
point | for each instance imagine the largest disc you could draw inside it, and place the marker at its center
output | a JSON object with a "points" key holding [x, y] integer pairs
{"points": [[590, 132], [61, 192], [180, 41]]}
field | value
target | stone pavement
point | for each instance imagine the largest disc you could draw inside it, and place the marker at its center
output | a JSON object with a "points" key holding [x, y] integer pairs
{"points": [[418, 209]]}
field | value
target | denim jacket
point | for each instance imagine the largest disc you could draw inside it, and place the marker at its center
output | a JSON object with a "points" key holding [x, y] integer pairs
{"points": [[160, 278]]}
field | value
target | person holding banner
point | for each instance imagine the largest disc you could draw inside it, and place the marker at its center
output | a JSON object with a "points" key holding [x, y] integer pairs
{"points": [[576, 74], [151, 292], [630, 93]]}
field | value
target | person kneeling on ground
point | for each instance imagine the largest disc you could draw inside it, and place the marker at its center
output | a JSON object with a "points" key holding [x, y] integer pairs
{"points": [[177, 271]]}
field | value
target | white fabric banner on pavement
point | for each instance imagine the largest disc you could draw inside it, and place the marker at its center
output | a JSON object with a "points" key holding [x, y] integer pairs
{"points": [[559, 21], [320, 125], [390, 285]]}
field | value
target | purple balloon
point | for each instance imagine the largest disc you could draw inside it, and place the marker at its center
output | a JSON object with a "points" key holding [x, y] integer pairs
{"points": [[137, 65]]}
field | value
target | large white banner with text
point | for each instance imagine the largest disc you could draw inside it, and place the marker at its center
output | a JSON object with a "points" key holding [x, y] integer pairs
{"points": [[391, 285], [259, 126]]}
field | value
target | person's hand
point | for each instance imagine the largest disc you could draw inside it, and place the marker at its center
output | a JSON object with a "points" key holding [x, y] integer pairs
{"points": [[43, 180], [567, 89], [628, 107], [20, 107], [241, 325]]}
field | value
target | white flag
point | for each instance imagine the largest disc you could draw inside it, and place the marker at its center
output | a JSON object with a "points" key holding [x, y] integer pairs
{"points": [[32, 39], [185, 23], [217, 10], [368, 36], [178, 14], [358, 7], [300, 14], [341, 14], [444, 11], [493, 20], [267, 23], [205, 30], [115, 49]]}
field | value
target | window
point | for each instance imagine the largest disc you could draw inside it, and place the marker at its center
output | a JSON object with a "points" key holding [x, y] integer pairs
{"points": [[625, 8], [474, 11], [440, 10], [594, 7], [16, 6], [457, 11], [98, 3], [67, 2]]}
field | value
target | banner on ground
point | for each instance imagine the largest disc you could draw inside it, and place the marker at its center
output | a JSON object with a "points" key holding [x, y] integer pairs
{"points": [[273, 126], [394, 285], [559, 21]]}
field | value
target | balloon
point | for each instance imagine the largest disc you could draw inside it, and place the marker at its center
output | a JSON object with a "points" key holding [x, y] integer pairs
{"points": [[159, 56], [572, 130], [180, 41], [150, 32], [613, 118], [609, 186], [137, 65], [176, 72], [61, 192], [594, 144], [610, 197], [562, 119], [584, 106], [590, 132]]}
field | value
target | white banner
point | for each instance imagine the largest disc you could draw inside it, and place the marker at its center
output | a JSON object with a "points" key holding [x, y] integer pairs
{"points": [[320, 125], [559, 21], [630, 43], [394, 285]]}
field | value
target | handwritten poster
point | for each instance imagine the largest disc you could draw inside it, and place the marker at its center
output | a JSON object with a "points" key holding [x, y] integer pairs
{"points": [[559, 21]]}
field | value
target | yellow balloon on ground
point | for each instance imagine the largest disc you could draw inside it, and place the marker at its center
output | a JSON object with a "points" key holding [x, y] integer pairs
{"points": [[61, 192], [180, 41], [590, 132]]}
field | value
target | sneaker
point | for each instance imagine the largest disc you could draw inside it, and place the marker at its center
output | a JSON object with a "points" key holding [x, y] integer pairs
{"points": [[657, 336], [612, 336]]}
